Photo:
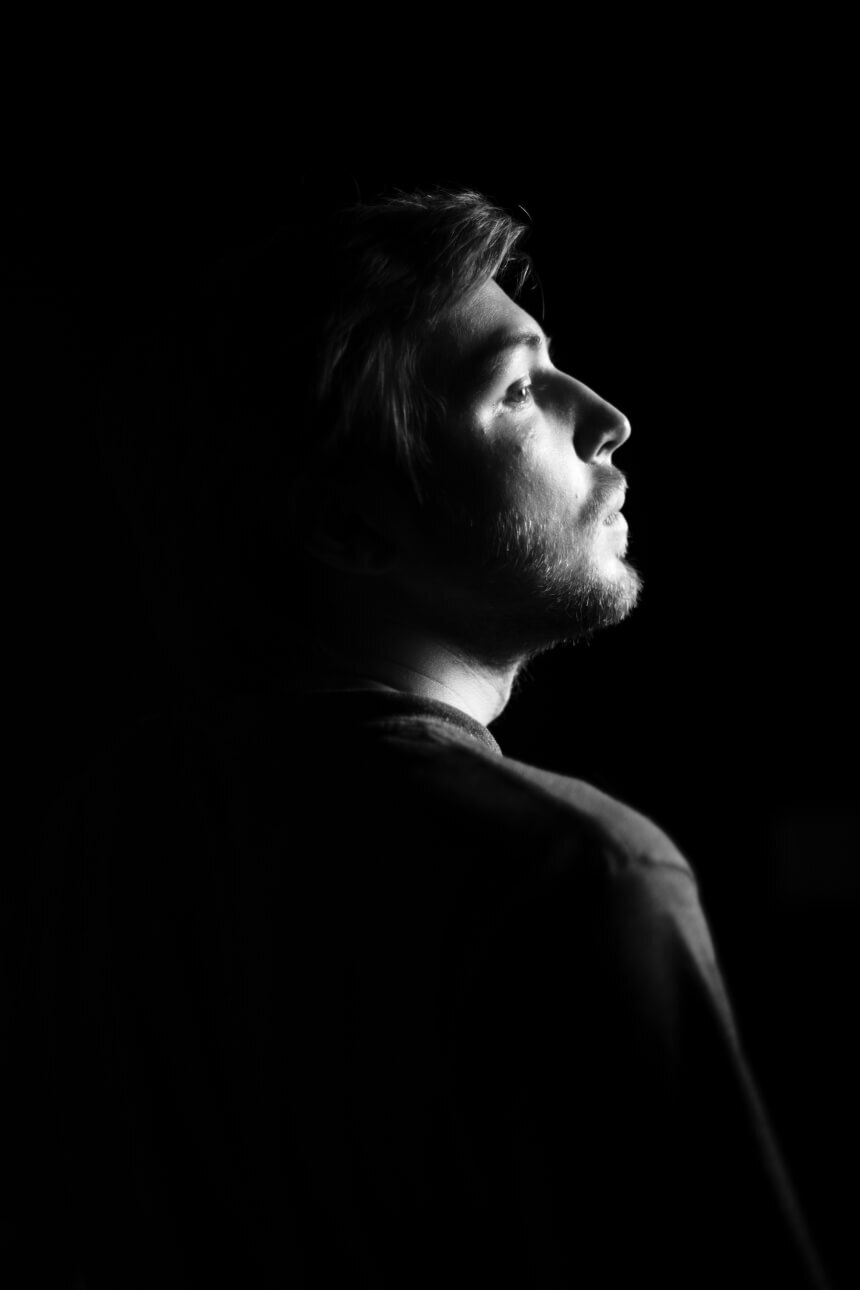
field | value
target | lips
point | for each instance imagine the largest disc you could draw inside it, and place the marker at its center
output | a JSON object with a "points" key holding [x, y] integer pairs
{"points": [[616, 501]]}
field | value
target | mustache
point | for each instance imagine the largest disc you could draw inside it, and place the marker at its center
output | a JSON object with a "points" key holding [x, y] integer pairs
{"points": [[606, 482]]}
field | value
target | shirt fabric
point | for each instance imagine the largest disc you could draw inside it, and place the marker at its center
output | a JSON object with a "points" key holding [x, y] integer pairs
{"points": [[337, 994]]}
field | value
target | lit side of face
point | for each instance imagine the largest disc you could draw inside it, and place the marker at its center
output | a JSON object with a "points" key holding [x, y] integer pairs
{"points": [[525, 463]]}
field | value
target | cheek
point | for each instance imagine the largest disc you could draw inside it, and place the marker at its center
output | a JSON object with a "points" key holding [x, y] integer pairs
{"points": [[518, 468], [548, 480]]}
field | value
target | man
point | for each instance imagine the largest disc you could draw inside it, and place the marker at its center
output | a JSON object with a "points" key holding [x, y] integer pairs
{"points": [[340, 994]]}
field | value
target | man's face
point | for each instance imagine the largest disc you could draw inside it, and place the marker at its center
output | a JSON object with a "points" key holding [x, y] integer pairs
{"points": [[524, 508]]}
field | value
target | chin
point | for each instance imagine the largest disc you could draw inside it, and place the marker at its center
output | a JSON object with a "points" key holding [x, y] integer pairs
{"points": [[627, 585]]}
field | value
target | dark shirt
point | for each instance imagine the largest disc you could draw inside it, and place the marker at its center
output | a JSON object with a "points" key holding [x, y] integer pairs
{"points": [[338, 995]]}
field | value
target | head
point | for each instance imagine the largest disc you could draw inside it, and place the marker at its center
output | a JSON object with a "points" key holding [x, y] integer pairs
{"points": [[525, 500], [357, 422]]}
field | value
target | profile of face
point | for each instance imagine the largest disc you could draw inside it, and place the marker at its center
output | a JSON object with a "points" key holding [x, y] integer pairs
{"points": [[524, 511]]}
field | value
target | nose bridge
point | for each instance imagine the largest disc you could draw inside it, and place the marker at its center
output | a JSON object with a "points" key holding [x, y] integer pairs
{"points": [[599, 427]]}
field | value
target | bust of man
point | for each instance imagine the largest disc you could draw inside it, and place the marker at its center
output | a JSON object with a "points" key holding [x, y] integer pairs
{"points": [[340, 993]]}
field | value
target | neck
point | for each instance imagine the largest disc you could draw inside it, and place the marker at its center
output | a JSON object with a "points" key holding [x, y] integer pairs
{"points": [[414, 664]]}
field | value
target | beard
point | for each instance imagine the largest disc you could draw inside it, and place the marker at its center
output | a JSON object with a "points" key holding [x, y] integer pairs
{"points": [[535, 581]]}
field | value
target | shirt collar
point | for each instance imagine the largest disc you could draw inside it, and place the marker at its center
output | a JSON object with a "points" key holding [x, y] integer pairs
{"points": [[394, 710]]}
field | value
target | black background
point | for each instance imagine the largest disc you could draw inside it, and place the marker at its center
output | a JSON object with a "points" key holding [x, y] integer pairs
{"points": [[694, 269]]}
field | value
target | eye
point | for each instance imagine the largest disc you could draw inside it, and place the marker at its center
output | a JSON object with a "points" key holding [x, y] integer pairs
{"points": [[519, 395]]}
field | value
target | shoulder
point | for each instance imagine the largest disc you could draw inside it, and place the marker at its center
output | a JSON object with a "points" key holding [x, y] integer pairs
{"points": [[624, 830], [515, 801], [596, 925], [609, 910], [567, 865]]}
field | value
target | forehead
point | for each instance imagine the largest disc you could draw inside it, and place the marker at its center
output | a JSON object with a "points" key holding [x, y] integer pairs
{"points": [[489, 309], [466, 332]]}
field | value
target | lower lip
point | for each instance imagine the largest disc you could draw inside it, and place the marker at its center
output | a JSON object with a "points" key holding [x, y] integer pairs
{"points": [[616, 519]]}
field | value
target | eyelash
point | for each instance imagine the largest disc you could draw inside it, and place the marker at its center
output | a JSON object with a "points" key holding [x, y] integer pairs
{"points": [[520, 387]]}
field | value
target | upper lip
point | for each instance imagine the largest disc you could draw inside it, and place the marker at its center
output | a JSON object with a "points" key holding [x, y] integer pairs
{"points": [[616, 501]]}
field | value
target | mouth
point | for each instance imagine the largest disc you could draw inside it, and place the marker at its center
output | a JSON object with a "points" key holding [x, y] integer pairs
{"points": [[616, 501]]}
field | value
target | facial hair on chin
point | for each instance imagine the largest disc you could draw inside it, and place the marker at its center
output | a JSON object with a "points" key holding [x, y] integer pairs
{"points": [[548, 578], [537, 576]]}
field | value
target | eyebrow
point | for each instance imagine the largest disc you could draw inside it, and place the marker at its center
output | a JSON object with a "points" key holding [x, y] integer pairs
{"points": [[490, 356]]}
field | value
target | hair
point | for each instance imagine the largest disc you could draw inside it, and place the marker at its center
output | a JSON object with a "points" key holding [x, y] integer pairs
{"points": [[293, 357]]}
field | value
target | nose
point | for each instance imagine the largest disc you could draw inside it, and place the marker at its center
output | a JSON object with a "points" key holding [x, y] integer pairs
{"points": [[599, 428]]}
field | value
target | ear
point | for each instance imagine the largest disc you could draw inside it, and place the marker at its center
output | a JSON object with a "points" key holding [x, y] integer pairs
{"points": [[347, 524]]}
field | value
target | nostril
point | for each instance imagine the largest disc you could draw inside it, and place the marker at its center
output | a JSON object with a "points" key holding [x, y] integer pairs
{"points": [[600, 432]]}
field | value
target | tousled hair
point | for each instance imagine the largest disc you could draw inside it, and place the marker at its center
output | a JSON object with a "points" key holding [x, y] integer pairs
{"points": [[296, 356]]}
